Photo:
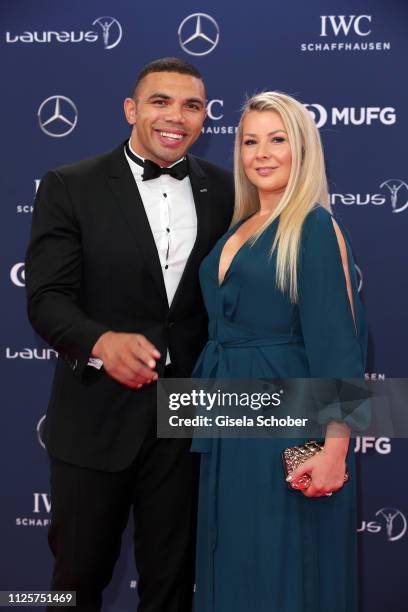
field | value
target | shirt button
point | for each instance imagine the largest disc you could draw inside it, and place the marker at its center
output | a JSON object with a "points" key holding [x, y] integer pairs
{"points": [[168, 230], [164, 195], [166, 266]]}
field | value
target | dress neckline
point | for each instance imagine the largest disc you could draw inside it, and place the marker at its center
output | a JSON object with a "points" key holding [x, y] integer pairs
{"points": [[229, 235], [235, 228]]}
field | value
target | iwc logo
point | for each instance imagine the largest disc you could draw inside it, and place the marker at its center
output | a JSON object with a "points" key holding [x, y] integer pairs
{"points": [[374, 376], [345, 33], [215, 113], [40, 513], [28, 208]]}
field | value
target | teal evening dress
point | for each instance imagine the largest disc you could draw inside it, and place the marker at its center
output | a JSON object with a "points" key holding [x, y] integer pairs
{"points": [[261, 546]]}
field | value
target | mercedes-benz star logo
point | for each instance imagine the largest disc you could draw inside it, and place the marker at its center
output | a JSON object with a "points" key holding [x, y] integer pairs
{"points": [[110, 26], [198, 34], [57, 116], [394, 185]]}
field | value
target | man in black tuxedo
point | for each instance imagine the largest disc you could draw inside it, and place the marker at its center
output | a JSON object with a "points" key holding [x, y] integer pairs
{"points": [[112, 282]]}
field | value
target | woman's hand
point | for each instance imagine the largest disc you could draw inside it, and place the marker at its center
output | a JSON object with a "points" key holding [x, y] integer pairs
{"points": [[327, 468]]}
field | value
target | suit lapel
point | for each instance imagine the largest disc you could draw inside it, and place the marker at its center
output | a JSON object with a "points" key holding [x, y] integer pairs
{"points": [[201, 193], [123, 186]]}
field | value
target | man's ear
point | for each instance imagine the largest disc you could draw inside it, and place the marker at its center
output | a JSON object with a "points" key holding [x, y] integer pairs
{"points": [[129, 107]]}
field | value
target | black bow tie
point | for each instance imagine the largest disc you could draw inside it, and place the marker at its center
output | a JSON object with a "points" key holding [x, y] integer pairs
{"points": [[153, 170]]}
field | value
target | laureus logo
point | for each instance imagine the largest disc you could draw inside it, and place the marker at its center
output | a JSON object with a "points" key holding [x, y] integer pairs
{"points": [[398, 193], [391, 520], [109, 30], [395, 192], [395, 523]]}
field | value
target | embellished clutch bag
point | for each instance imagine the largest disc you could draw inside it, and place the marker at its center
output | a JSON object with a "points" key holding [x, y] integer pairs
{"points": [[294, 456]]}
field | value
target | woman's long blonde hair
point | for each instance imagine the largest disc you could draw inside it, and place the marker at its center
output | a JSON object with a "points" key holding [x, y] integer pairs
{"points": [[306, 188]]}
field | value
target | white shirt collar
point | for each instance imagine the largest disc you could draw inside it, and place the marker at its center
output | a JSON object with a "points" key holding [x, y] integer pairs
{"points": [[138, 170]]}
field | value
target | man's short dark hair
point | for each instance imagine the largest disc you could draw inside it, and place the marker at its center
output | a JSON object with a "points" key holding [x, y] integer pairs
{"points": [[168, 64]]}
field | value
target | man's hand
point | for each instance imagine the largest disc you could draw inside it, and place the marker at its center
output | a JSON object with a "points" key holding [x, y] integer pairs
{"points": [[128, 358]]}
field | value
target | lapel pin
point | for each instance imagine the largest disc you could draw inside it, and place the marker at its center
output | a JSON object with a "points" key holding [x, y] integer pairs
{"points": [[203, 190]]}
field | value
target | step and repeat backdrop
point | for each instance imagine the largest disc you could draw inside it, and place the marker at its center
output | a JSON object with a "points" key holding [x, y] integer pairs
{"points": [[66, 67]]}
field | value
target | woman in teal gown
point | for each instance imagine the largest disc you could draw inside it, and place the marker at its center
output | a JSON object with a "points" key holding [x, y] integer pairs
{"points": [[282, 306]]}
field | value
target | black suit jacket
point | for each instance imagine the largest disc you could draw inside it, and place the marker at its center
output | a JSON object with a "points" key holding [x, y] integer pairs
{"points": [[92, 266]]}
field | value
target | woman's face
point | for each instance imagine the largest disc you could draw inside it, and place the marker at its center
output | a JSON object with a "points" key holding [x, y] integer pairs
{"points": [[265, 152]]}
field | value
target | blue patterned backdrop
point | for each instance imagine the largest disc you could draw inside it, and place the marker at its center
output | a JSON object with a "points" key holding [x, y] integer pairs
{"points": [[66, 67]]}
